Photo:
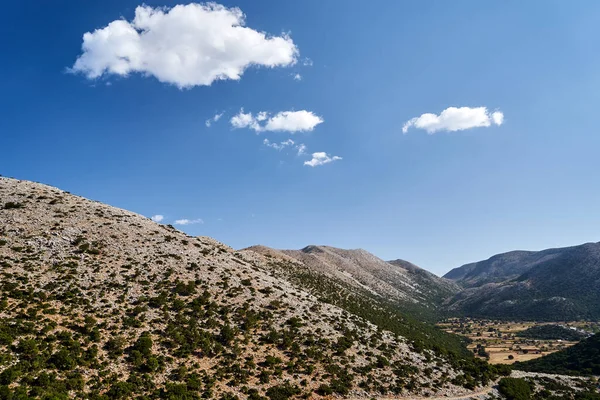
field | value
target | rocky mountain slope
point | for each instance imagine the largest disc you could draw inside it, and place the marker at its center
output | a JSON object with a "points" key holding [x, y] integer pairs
{"points": [[554, 284], [325, 273], [398, 281], [101, 303]]}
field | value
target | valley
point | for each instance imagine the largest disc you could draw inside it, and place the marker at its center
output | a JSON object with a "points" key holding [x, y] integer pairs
{"points": [[507, 342]]}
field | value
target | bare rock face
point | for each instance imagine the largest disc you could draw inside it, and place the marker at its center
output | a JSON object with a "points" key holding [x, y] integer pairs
{"points": [[98, 302]]}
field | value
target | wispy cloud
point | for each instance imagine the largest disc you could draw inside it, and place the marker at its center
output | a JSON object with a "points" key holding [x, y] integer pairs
{"points": [[307, 62], [455, 119], [214, 118], [157, 218], [299, 147], [321, 158], [285, 121], [188, 221], [187, 45], [297, 77]]}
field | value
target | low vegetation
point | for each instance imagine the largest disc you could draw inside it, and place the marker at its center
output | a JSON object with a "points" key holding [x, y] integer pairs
{"points": [[581, 359], [99, 303], [553, 332]]}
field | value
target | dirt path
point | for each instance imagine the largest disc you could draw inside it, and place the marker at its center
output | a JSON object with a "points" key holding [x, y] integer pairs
{"points": [[481, 392]]}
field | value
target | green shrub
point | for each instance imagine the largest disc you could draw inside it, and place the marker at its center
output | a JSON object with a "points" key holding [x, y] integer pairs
{"points": [[515, 388], [11, 205], [282, 392]]}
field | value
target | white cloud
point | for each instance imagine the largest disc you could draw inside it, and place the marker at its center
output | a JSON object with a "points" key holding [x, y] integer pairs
{"points": [[243, 120], [157, 218], [285, 121], [321, 158], [215, 118], [307, 62], [293, 121], [187, 45], [498, 117], [278, 146], [188, 221], [301, 149], [455, 119], [297, 77]]}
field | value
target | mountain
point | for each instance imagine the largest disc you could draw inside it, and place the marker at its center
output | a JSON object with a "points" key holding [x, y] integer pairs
{"points": [[554, 284], [396, 281], [581, 359], [101, 303], [348, 279], [433, 288]]}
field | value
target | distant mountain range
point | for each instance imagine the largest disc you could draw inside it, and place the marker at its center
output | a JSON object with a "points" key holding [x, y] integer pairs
{"points": [[395, 281], [554, 284]]}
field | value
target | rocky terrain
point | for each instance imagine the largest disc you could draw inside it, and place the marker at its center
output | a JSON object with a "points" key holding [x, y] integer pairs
{"points": [[101, 303], [556, 284], [397, 280]]}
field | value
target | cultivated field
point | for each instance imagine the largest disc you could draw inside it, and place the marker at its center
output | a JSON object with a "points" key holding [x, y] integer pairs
{"points": [[498, 342]]}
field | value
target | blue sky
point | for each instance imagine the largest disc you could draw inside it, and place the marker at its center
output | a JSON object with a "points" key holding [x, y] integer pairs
{"points": [[438, 199]]}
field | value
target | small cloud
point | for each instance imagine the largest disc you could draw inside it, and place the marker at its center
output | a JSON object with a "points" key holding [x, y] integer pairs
{"points": [[186, 46], [215, 118], [321, 158], [301, 149], [297, 77], [498, 118], [283, 121], [455, 119], [157, 218], [278, 146], [307, 62], [188, 221], [245, 120]]}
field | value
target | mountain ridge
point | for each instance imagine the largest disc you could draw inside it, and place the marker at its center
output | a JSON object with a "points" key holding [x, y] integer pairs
{"points": [[552, 284]]}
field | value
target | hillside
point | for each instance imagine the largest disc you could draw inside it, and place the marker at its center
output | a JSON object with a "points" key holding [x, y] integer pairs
{"points": [[101, 303], [332, 286], [553, 332], [398, 281], [581, 359], [555, 284]]}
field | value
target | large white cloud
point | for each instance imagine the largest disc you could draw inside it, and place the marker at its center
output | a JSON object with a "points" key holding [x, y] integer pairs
{"points": [[285, 121], [455, 119], [321, 158], [187, 45]]}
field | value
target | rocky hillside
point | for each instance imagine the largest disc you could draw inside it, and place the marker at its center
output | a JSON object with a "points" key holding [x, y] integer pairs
{"points": [[101, 303], [343, 278], [555, 284], [398, 280]]}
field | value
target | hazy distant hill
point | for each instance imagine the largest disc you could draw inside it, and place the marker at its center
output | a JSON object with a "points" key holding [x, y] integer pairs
{"points": [[554, 284], [101, 303]]}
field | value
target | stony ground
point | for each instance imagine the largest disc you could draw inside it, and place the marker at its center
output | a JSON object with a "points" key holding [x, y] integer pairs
{"points": [[99, 302]]}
